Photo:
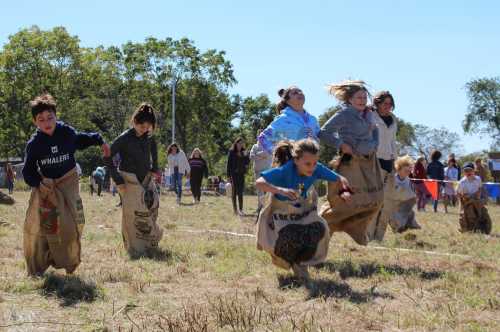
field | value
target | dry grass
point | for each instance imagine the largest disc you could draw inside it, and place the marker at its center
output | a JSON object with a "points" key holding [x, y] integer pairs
{"points": [[208, 281]]}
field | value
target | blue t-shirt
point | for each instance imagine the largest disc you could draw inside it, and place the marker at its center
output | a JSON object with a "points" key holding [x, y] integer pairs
{"points": [[287, 176]]}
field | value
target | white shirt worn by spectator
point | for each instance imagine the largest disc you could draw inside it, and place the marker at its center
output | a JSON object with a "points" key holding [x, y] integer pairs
{"points": [[178, 160], [469, 187], [261, 159]]}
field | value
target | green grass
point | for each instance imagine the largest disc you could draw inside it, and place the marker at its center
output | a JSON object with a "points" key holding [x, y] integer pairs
{"points": [[201, 281]]}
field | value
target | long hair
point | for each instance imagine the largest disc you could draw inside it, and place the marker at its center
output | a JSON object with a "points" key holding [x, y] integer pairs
{"points": [[144, 113], [344, 91], [194, 151], [287, 150], [380, 97], [171, 146], [284, 96], [236, 141]]}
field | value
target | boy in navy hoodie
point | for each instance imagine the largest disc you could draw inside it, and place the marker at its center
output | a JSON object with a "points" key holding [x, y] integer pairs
{"points": [[54, 220]]}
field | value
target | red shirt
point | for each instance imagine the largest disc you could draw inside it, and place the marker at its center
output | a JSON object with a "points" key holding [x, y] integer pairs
{"points": [[419, 172]]}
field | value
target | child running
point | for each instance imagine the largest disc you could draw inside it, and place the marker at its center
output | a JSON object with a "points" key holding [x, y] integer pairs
{"points": [[135, 182], [55, 219], [289, 227], [474, 216]]}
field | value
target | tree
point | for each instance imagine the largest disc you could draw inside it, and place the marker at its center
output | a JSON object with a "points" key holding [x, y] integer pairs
{"points": [[429, 139], [254, 113], [484, 108]]}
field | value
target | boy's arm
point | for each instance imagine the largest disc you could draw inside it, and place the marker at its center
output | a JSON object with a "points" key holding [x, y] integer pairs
{"points": [[85, 140], [30, 169]]}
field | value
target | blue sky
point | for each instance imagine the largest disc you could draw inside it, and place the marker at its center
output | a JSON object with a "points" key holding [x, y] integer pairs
{"points": [[422, 51]]}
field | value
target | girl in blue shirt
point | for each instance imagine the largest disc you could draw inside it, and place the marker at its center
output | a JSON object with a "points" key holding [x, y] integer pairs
{"points": [[289, 227], [292, 123]]}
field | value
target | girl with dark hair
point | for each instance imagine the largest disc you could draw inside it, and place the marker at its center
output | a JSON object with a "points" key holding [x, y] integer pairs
{"points": [[383, 106], [292, 123], [178, 167], [289, 227], [419, 173], [435, 171], [237, 166], [135, 182]]}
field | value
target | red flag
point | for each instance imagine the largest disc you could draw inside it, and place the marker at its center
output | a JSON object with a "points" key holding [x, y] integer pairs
{"points": [[432, 188]]}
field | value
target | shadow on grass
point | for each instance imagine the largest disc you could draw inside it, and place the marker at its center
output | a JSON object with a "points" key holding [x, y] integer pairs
{"points": [[348, 269], [326, 288], [160, 255], [70, 289]]}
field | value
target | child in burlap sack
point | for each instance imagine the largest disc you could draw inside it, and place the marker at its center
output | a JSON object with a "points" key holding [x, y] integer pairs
{"points": [[353, 132], [54, 219], [400, 198], [474, 216], [289, 227], [135, 182]]}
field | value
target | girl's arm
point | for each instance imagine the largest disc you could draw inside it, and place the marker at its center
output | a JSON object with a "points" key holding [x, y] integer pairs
{"points": [[329, 135], [229, 164], [115, 149], [265, 186], [154, 155]]}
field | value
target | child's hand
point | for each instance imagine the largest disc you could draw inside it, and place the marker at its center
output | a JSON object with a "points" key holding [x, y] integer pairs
{"points": [[121, 188], [106, 151], [346, 196], [288, 193], [45, 190], [346, 149]]}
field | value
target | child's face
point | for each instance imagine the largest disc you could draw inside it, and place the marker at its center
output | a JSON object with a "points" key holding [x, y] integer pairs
{"points": [[46, 122], [296, 98], [469, 173], [306, 165], [359, 100], [142, 128], [405, 171], [385, 106]]}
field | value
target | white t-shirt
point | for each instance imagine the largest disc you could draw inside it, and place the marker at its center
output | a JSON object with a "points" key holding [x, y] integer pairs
{"points": [[469, 187], [451, 173]]}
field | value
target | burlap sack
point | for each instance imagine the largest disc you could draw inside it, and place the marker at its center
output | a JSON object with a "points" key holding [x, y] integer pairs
{"points": [[292, 231], [474, 216], [54, 226], [140, 204], [377, 227], [354, 217], [397, 210]]}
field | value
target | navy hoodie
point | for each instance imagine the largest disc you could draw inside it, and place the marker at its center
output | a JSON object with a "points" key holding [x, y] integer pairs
{"points": [[54, 155]]}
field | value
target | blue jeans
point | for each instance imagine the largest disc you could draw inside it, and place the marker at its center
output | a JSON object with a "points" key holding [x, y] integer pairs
{"points": [[177, 183]]}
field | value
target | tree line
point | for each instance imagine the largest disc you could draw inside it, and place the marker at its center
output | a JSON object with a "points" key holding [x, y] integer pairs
{"points": [[98, 88]]}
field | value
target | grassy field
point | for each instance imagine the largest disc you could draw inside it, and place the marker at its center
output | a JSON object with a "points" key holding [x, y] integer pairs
{"points": [[206, 281]]}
